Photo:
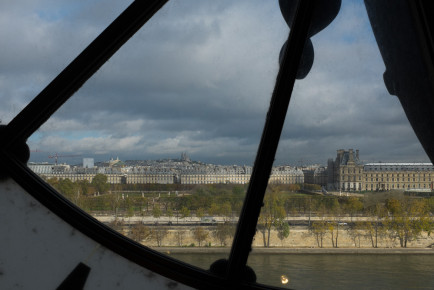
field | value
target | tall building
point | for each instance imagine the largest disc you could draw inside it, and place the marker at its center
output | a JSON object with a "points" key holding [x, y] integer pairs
{"points": [[345, 173]]}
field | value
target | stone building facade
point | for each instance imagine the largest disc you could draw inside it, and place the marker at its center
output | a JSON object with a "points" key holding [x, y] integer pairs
{"points": [[347, 173], [318, 176], [399, 176], [344, 173], [203, 174]]}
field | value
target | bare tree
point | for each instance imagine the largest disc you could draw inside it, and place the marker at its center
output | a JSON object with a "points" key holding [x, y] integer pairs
{"points": [[223, 232], [180, 237], [356, 233], [140, 233], [318, 229], [160, 232], [200, 235]]}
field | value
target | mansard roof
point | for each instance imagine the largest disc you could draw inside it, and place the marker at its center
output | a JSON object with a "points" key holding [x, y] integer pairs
{"points": [[398, 166]]}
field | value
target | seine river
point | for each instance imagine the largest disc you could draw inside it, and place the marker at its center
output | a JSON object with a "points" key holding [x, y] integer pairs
{"points": [[335, 271]]}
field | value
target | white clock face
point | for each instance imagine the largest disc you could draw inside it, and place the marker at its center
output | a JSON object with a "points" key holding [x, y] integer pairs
{"points": [[44, 251]]}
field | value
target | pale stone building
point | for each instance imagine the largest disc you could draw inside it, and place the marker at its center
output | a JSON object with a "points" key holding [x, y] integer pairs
{"points": [[347, 173], [399, 176], [190, 174], [286, 175], [317, 175]]}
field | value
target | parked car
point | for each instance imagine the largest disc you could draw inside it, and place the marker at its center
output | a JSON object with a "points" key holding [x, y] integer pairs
{"points": [[207, 220]]}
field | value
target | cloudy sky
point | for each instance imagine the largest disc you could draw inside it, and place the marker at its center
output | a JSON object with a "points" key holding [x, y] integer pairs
{"points": [[198, 78]]}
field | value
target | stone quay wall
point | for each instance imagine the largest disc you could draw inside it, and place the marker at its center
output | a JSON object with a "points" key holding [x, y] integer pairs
{"points": [[299, 237]]}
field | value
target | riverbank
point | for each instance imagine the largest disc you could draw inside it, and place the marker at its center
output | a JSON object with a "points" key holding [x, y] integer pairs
{"points": [[303, 251], [299, 238]]}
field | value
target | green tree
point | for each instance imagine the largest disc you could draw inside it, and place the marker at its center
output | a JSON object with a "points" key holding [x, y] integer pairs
{"points": [[85, 203], [156, 211], [166, 202], [53, 181], [318, 229], [100, 183], [409, 218], [200, 212], [84, 186], [114, 200], [129, 205], [67, 188], [272, 215], [294, 187], [144, 204], [283, 231], [353, 206], [308, 186], [169, 213], [214, 209], [185, 212], [226, 211], [238, 190]]}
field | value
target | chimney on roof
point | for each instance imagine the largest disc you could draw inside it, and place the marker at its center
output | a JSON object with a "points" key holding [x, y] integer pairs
{"points": [[340, 155], [351, 155]]}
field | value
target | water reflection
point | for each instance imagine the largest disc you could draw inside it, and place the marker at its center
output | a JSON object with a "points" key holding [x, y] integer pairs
{"points": [[346, 271], [337, 271]]}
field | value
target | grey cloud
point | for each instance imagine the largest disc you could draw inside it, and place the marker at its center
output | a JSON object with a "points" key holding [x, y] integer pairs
{"points": [[198, 78]]}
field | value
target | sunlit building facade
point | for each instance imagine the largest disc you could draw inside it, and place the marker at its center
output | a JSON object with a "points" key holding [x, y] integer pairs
{"points": [[195, 174], [399, 176], [347, 173]]}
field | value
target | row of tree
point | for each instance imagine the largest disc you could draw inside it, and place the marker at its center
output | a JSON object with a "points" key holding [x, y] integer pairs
{"points": [[216, 199], [144, 234], [395, 215], [402, 219]]}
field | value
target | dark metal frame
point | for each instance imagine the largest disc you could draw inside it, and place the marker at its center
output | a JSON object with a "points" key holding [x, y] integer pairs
{"points": [[14, 152]]}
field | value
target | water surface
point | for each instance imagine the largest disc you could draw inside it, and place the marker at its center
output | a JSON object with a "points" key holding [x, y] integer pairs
{"points": [[335, 271]]}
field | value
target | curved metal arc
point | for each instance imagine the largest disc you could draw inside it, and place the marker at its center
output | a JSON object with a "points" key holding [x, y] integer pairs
{"points": [[269, 141], [40, 109]]}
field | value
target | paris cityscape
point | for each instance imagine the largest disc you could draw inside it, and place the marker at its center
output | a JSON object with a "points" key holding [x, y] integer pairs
{"points": [[181, 202], [343, 173]]}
